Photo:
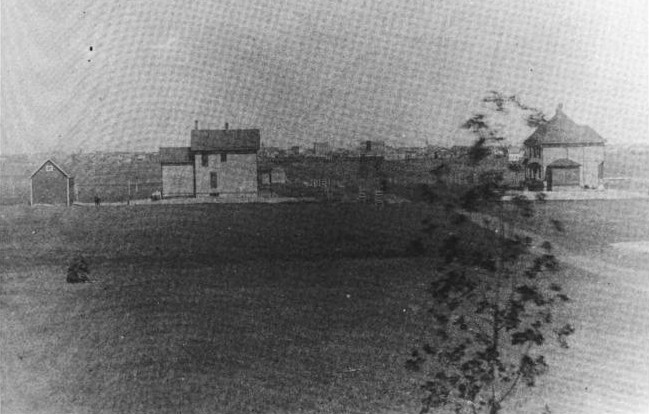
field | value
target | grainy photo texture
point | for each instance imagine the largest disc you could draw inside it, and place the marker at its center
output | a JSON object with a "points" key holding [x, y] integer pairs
{"points": [[324, 206]]}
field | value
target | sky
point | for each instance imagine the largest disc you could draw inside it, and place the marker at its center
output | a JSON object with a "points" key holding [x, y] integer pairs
{"points": [[86, 75]]}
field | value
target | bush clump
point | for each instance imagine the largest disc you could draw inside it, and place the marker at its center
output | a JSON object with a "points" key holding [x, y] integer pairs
{"points": [[78, 270]]}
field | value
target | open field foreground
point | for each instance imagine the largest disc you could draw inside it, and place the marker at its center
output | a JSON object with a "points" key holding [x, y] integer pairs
{"points": [[297, 308]]}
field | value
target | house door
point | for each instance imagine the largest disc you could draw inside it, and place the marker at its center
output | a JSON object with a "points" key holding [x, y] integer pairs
{"points": [[548, 178]]}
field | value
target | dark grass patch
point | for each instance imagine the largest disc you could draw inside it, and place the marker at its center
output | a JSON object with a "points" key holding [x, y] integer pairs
{"points": [[209, 234]]}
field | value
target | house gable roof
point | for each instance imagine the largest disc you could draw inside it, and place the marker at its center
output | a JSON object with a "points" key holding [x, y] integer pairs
{"points": [[561, 130], [225, 140], [57, 166], [175, 155]]}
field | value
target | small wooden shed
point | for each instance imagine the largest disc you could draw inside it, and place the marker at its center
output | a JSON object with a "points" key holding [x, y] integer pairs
{"points": [[51, 184]]}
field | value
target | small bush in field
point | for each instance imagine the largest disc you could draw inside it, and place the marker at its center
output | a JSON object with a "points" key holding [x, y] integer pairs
{"points": [[78, 270]]}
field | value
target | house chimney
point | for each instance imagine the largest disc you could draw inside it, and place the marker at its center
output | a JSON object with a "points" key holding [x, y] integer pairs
{"points": [[226, 126], [196, 124], [560, 107]]}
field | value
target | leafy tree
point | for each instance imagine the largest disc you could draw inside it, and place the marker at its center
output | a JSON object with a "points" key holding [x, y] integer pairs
{"points": [[490, 134], [493, 299]]}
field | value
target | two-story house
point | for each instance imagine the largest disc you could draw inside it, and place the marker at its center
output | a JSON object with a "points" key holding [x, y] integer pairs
{"points": [[218, 162], [564, 155]]}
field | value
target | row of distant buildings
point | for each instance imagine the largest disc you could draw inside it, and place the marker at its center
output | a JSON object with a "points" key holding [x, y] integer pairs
{"points": [[224, 162], [366, 149]]}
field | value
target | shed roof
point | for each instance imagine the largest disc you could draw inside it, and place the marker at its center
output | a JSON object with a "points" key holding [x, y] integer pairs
{"points": [[225, 140], [55, 164], [563, 163], [561, 130], [175, 155]]}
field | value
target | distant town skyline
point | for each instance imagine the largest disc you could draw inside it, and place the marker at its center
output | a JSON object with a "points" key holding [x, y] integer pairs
{"points": [[133, 76]]}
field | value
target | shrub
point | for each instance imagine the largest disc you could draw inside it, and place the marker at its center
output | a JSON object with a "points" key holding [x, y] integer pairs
{"points": [[78, 270]]}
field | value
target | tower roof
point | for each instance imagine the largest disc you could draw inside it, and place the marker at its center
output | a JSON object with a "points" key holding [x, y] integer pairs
{"points": [[561, 130]]}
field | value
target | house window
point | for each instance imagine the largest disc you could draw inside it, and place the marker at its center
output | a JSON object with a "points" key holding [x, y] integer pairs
{"points": [[49, 168], [213, 180], [224, 157], [205, 160], [600, 170]]}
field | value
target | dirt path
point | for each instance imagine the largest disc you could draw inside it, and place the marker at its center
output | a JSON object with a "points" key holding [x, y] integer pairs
{"points": [[606, 369]]}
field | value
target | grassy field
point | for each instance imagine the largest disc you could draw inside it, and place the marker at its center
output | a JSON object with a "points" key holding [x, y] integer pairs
{"points": [[213, 308], [300, 308]]}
